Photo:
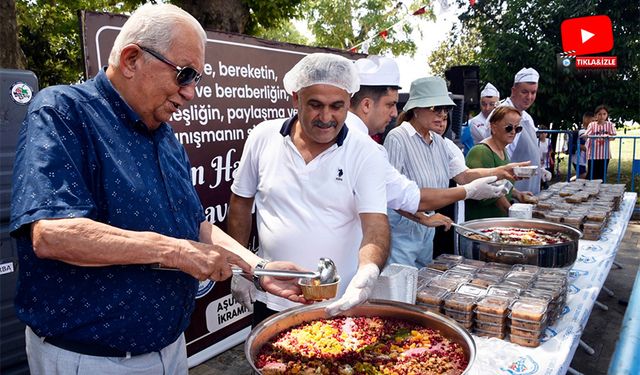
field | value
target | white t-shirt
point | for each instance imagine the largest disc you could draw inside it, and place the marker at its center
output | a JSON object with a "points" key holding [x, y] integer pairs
{"points": [[307, 211], [402, 193], [479, 128]]}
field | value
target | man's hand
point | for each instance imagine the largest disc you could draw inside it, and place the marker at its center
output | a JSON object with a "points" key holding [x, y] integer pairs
{"points": [[506, 171], [481, 188], [435, 220], [285, 287], [205, 261], [545, 175], [358, 290], [243, 291]]}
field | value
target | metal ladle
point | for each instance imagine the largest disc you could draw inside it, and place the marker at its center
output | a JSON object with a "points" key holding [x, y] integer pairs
{"points": [[326, 272], [493, 236]]}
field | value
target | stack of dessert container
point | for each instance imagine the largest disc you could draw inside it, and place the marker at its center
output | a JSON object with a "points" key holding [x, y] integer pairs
{"points": [[494, 299], [491, 315], [527, 320], [460, 308]]}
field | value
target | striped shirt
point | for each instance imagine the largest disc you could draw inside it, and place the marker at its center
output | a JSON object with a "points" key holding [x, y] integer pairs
{"points": [[600, 147], [426, 164]]}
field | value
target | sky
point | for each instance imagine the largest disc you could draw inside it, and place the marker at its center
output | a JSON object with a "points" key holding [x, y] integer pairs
{"points": [[433, 33]]}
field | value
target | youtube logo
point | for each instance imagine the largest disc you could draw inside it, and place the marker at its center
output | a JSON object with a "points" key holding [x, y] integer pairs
{"points": [[587, 35]]}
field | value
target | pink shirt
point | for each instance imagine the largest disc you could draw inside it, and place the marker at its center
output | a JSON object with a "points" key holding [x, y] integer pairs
{"points": [[601, 147]]}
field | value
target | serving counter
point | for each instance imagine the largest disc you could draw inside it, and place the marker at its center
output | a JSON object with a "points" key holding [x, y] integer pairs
{"points": [[554, 355]]}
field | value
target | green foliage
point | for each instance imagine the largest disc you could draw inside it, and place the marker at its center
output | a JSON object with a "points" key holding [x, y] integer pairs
{"points": [[50, 36], [283, 32], [526, 33], [343, 24], [460, 48], [49, 31], [272, 14]]}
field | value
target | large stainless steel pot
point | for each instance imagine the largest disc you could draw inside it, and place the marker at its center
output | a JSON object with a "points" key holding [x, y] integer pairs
{"points": [[275, 324], [558, 255]]}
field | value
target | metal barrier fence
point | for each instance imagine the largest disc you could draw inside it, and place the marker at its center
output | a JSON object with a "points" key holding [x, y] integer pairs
{"points": [[567, 141]]}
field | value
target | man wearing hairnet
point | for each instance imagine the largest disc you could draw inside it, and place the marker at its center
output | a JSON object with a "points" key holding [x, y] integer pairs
{"points": [[525, 145], [318, 188], [489, 97]]}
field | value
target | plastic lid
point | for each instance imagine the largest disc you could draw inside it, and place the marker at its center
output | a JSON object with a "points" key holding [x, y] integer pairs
{"points": [[460, 302], [529, 309], [494, 305]]}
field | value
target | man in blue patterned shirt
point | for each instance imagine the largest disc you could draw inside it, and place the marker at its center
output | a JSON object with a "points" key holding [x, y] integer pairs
{"points": [[102, 190]]}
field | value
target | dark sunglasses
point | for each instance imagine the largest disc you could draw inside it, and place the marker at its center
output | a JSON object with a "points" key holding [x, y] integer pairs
{"points": [[440, 109], [186, 75], [509, 128]]}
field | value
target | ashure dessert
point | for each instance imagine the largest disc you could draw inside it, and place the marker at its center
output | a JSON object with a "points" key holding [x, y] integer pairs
{"points": [[359, 346], [524, 236]]}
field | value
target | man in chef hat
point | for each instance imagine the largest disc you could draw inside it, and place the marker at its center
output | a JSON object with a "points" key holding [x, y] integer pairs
{"points": [[373, 106], [525, 145], [489, 97]]}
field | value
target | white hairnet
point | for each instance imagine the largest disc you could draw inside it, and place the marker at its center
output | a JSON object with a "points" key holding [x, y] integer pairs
{"points": [[322, 68], [489, 91], [529, 75]]}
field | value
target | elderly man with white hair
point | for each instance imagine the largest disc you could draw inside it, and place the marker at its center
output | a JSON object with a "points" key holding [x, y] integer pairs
{"points": [[525, 145], [489, 98], [318, 187], [102, 194]]}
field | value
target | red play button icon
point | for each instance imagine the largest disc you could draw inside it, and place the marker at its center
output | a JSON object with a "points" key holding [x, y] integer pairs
{"points": [[587, 35]]}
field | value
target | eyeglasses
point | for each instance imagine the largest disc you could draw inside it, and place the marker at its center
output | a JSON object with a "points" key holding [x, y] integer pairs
{"points": [[186, 75], [509, 128], [440, 109]]}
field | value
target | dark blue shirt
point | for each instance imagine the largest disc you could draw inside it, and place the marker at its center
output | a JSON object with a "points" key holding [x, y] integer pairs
{"points": [[83, 152]]}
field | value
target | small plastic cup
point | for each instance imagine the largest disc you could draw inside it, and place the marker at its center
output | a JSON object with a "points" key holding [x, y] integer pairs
{"points": [[312, 290]]}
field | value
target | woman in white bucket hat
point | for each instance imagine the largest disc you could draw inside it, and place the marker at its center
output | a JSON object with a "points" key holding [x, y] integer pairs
{"points": [[423, 156]]}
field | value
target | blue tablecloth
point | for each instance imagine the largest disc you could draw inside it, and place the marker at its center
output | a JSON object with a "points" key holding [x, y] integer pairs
{"points": [[553, 356]]}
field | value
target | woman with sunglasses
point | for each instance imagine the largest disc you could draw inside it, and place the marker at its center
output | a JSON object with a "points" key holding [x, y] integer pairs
{"points": [[422, 155], [490, 153]]}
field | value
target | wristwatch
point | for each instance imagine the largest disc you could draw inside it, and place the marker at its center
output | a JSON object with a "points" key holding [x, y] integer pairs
{"points": [[256, 279]]}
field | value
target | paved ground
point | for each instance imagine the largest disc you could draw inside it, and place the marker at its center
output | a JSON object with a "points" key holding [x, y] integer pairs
{"points": [[601, 332]]}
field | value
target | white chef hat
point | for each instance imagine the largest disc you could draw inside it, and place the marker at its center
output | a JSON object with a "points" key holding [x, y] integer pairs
{"points": [[489, 90], [526, 75], [322, 68], [378, 71]]}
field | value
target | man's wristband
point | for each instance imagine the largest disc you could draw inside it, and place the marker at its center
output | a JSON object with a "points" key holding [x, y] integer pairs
{"points": [[256, 279]]}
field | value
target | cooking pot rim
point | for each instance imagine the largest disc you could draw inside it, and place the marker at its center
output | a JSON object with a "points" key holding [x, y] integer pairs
{"points": [[574, 233], [360, 310]]}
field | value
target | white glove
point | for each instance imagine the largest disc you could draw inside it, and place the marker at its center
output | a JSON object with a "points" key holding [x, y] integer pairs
{"points": [[546, 175], [243, 291], [481, 188], [358, 291]]}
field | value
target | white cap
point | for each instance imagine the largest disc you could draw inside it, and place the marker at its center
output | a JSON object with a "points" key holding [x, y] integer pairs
{"points": [[526, 75], [322, 68], [378, 71], [489, 90]]}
